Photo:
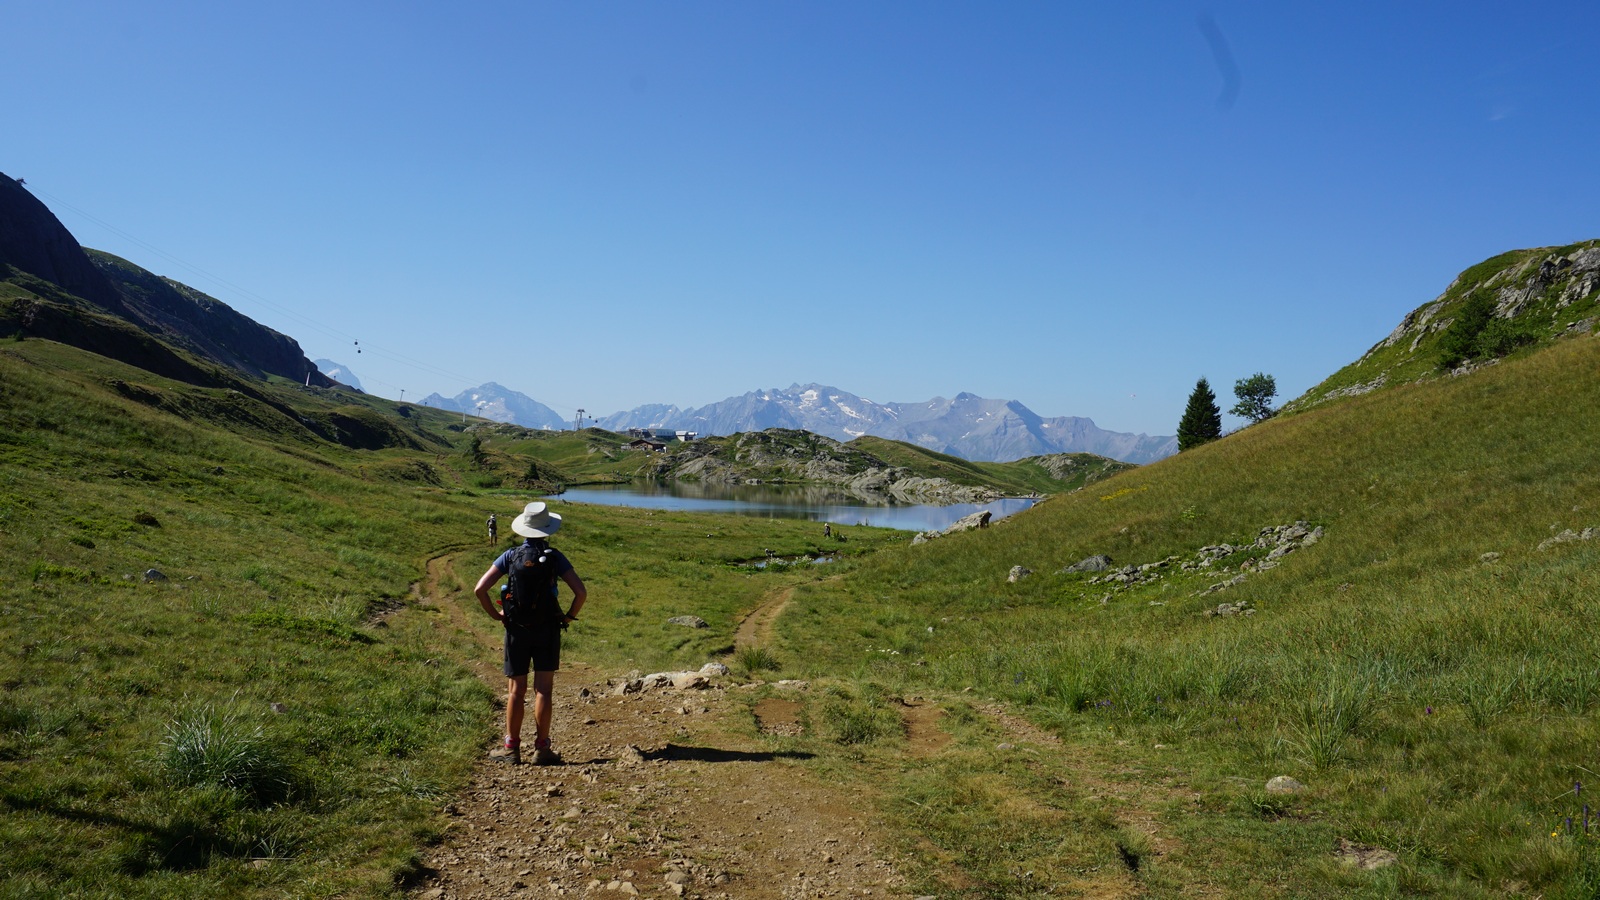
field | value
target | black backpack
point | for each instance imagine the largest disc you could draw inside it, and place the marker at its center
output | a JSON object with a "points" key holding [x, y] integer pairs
{"points": [[530, 595]]}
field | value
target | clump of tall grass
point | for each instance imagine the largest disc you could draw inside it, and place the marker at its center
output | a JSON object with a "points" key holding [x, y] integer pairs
{"points": [[754, 660], [204, 747], [851, 718], [1325, 712]]}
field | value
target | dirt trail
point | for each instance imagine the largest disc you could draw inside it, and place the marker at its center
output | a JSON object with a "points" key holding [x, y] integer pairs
{"points": [[663, 794], [669, 793], [756, 629]]}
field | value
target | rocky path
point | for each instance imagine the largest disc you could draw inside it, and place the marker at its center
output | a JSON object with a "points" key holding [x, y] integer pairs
{"points": [[664, 793]]}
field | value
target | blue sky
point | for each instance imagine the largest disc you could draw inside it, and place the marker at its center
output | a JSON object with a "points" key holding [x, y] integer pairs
{"points": [[1081, 206]]}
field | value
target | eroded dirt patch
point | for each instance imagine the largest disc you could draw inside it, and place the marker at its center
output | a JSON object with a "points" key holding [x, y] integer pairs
{"points": [[778, 716], [924, 737]]}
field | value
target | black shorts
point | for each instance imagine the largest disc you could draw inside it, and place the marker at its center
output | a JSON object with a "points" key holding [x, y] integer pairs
{"points": [[539, 648]]}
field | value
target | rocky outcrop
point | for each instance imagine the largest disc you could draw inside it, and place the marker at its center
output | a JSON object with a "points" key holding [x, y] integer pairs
{"points": [[965, 523], [1568, 536], [780, 455], [1096, 563], [1267, 551], [1521, 298]]}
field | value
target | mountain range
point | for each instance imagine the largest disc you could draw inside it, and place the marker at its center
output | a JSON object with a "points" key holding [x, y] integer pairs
{"points": [[968, 426]]}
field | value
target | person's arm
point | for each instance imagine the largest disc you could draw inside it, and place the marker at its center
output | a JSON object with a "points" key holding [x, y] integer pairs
{"points": [[482, 592], [579, 594]]}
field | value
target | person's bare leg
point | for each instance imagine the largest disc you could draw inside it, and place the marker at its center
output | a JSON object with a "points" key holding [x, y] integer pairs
{"points": [[543, 708], [516, 697]]}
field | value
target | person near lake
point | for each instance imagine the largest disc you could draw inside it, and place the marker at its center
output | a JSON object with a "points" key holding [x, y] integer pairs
{"points": [[983, 520], [827, 529], [533, 625], [494, 528]]}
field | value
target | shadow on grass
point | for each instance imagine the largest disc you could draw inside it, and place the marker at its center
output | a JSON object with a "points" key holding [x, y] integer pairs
{"points": [[196, 827]]}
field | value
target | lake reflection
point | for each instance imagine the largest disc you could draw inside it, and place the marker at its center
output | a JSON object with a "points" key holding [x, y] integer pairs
{"points": [[819, 503]]}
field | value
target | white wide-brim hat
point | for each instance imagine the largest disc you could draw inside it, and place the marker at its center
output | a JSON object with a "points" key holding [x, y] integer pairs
{"points": [[536, 521]]}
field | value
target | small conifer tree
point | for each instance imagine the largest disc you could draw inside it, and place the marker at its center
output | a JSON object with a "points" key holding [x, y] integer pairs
{"points": [[1202, 418]]}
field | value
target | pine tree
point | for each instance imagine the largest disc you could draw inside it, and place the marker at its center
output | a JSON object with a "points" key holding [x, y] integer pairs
{"points": [[1202, 419]]}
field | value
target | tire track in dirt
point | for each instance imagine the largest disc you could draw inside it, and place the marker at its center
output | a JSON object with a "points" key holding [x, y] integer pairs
{"points": [[757, 627]]}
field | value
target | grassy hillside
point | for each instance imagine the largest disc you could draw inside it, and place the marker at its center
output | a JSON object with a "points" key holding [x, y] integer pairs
{"points": [[1054, 473], [1520, 299], [1429, 669], [276, 713], [590, 456]]}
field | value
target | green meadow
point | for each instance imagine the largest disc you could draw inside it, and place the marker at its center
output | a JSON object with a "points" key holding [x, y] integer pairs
{"points": [[1438, 702], [282, 714]]}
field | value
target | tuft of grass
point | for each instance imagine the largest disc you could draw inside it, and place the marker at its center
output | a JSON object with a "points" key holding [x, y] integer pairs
{"points": [[204, 747], [755, 660], [1324, 716], [850, 717]]}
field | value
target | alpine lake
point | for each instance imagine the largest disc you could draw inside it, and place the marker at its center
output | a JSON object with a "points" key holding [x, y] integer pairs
{"points": [[783, 501]]}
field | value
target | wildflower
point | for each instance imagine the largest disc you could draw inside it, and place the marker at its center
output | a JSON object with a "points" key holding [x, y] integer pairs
{"points": [[1428, 710]]}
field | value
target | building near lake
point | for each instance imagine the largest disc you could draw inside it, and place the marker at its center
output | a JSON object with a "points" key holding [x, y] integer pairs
{"points": [[662, 434]]}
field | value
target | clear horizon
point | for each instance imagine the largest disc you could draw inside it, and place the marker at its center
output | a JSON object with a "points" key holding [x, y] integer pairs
{"points": [[1078, 207]]}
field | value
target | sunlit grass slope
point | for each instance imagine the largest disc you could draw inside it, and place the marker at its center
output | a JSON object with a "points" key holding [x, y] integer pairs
{"points": [[273, 716], [1043, 474], [1440, 703]]}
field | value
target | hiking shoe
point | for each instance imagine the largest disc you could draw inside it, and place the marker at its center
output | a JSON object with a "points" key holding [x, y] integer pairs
{"points": [[512, 755], [543, 755]]}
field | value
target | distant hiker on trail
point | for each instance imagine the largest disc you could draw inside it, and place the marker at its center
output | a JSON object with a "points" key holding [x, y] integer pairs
{"points": [[533, 620], [494, 528], [983, 520]]}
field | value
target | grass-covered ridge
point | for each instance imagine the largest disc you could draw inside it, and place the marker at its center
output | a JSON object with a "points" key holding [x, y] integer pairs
{"points": [[1049, 474], [1426, 668], [1519, 299]]}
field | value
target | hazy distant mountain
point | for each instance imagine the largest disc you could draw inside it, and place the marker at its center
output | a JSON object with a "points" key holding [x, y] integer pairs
{"points": [[502, 404], [338, 373], [968, 426]]}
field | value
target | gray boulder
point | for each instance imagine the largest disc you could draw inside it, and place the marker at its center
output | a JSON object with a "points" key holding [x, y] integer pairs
{"points": [[1018, 573], [688, 621], [1097, 563], [1283, 784]]}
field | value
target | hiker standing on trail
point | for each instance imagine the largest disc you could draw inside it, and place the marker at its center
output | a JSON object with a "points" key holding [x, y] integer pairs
{"points": [[533, 620], [494, 528]]}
